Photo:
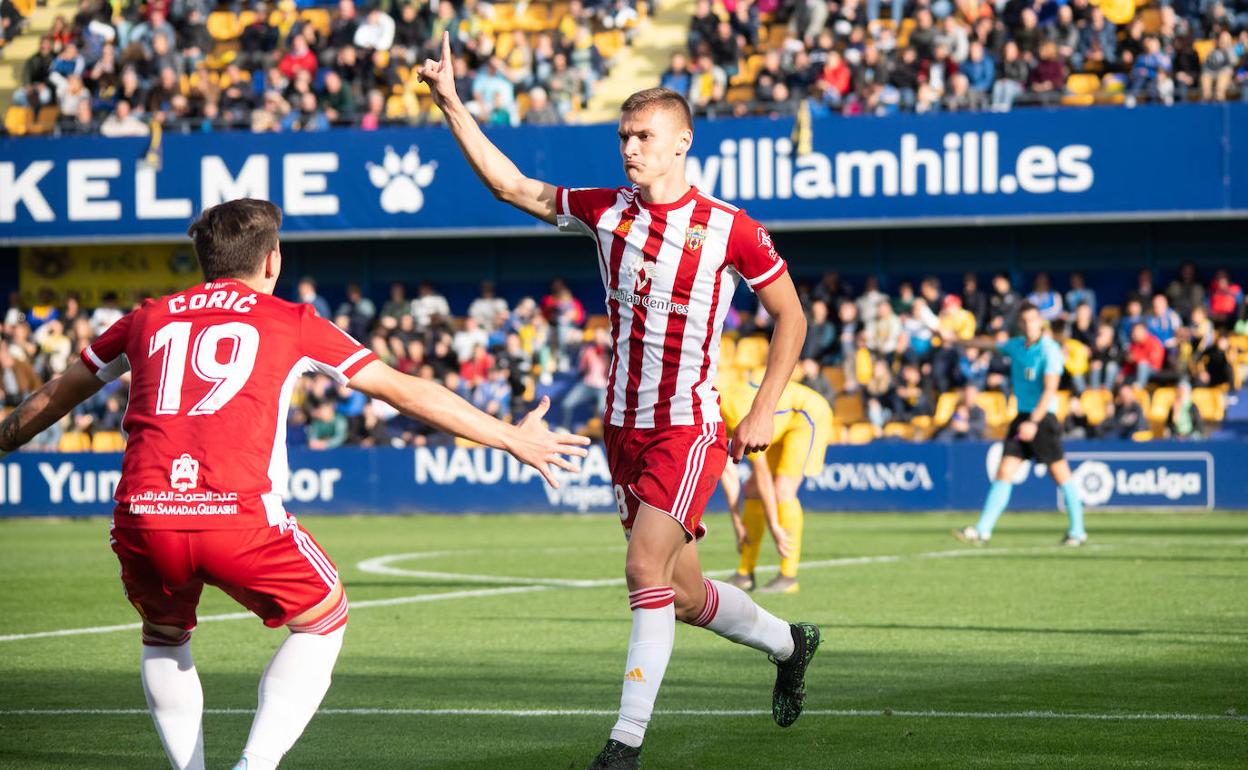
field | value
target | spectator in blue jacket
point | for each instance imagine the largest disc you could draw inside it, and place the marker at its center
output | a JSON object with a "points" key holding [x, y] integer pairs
{"points": [[1080, 294], [979, 69], [1164, 323]]}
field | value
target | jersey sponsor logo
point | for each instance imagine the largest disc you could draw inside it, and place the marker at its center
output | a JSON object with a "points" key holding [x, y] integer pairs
{"points": [[184, 474], [647, 301], [590, 490], [402, 180], [695, 236], [642, 273]]}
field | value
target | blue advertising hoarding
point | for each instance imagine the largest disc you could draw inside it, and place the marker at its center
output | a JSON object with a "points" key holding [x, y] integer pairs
{"points": [[1028, 165], [878, 477]]}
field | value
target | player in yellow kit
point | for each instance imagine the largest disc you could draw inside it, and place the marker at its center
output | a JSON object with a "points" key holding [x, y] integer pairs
{"points": [[803, 429]]}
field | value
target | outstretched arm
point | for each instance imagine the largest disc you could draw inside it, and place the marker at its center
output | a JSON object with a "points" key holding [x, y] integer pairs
{"points": [[494, 168], [47, 405], [528, 440]]}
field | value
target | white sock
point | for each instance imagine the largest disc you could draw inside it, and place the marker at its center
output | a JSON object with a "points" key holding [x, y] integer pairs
{"points": [[290, 693], [731, 613], [176, 700], [649, 650]]}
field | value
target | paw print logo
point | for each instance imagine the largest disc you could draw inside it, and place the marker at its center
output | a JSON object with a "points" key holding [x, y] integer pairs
{"points": [[402, 180]]}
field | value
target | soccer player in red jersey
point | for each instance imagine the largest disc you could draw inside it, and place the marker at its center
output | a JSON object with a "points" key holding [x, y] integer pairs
{"points": [[200, 497], [671, 257]]}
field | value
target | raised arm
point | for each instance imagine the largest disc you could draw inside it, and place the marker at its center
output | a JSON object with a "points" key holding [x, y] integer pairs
{"points": [[528, 440], [494, 168], [780, 299], [47, 405]]}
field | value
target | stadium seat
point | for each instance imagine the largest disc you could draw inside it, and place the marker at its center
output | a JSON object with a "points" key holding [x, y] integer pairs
{"points": [[108, 441], [25, 8], [751, 352], [247, 18], [1159, 408], [1063, 404], [18, 120], [318, 18], [902, 430], [224, 25], [740, 94], [1151, 18], [536, 18], [847, 409], [923, 426], [994, 406], [45, 120], [1081, 84], [1142, 435], [1110, 314], [1203, 47], [903, 36], [945, 406], [860, 433], [74, 441], [609, 43], [1211, 402], [836, 377], [1096, 405], [1145, 400], [840, 435]]}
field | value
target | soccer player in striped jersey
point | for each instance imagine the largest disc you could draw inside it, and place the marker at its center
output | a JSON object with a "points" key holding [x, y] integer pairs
{"points": [[670, 257], [200, 499]]}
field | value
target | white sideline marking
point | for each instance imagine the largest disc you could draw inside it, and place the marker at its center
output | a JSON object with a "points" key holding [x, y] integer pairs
{"points": [[528, 585], [920, 713]]}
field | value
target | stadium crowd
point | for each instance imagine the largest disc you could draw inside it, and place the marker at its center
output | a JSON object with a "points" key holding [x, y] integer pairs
{"points": [[886, 358], [188, 65], [118, 68], [939, 55]]}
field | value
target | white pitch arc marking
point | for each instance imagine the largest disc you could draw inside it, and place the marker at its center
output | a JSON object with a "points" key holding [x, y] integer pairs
{"points": [[527, 585], [722, 713]]}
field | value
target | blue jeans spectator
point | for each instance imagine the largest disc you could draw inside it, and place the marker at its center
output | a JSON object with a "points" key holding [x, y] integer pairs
{"points": [[1142, 373], [1004, 92], [1103, 377]]}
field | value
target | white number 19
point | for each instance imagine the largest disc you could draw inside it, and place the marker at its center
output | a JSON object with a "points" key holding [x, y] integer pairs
{"points": [[227, 377]]}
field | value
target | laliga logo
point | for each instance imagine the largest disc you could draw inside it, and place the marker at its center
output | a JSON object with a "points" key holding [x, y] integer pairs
{"points": [[401, 180], [184, 474], [1095, 482]]}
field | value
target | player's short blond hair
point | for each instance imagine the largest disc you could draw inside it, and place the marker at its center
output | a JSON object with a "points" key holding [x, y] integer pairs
{"points": [[661, 98]]}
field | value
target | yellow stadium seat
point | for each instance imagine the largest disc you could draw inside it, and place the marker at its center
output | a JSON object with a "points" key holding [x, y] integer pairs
{"points": [[1159, 408], [1239, 342], [945, 406], [1011, 409], [45, 120], [74, 441], [836, 377], [1111, 314], [727, 345], [903, 36], [609, 43], [536, 17], [1142, 396], [902, 430], [318, 18], [776, 35], [25, 8], [247, 18], [740, 94], [1151, 17], [751, 352], [1082, 84], [108, 441], [18, 120], [1142, 435], [1211, 402], [861, 433], [1063, 404], [1096, 405], [840, 434], [923, 426], [1203, 47], [848, 409], [396, 107], [223, 25], [1078, 100], [993, 404]]}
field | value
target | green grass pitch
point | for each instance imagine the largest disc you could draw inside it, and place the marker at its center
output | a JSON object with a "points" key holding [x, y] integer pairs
{"points": [[936, 655]]}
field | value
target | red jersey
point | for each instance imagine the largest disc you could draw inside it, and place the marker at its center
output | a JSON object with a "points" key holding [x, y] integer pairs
{"points": [[212, 372], [670, 272]]}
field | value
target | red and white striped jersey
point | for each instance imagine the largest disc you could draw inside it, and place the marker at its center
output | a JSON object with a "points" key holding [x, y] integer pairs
{"points": [[670, 272], [212, 373]]}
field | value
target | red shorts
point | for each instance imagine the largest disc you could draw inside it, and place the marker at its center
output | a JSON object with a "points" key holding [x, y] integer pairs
{"points": [[277, 572], [672, 469]]}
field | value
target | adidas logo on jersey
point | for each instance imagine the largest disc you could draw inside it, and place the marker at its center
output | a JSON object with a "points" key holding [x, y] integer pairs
{"points": [[635, 676]]}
